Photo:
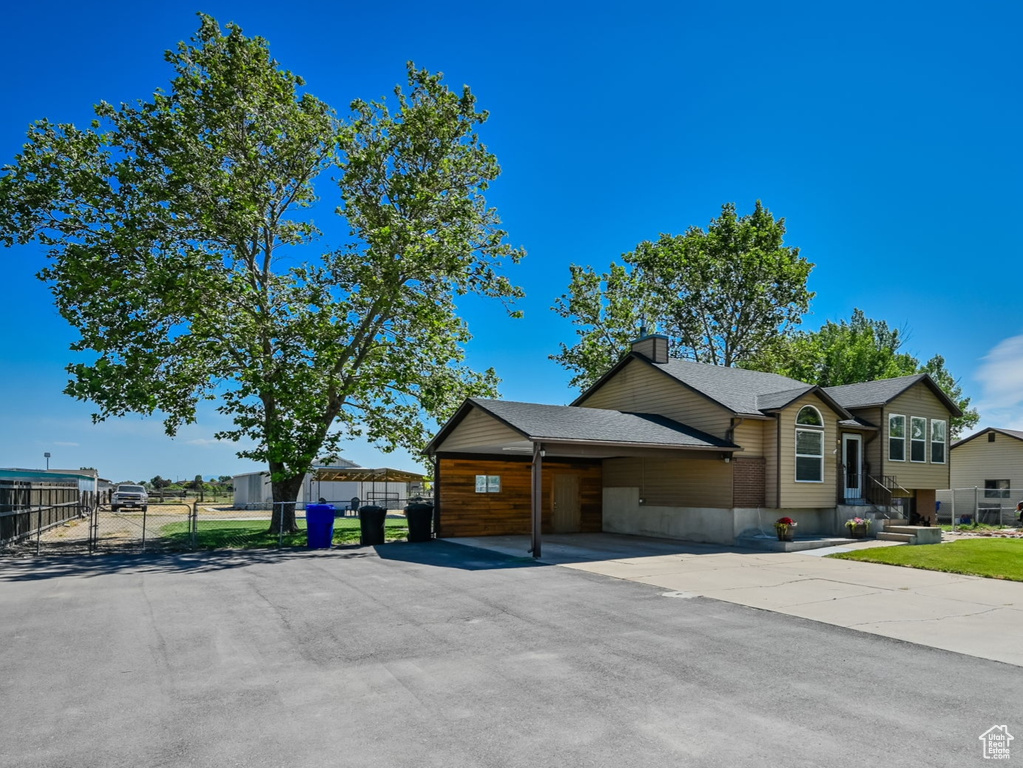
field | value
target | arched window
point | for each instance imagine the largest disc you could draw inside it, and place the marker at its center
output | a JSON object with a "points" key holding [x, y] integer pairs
{"points": [[809, 445], [809, 416]]}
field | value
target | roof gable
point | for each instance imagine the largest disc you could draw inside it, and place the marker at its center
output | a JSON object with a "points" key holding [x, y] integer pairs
{"points": [[1007, 432], [564, 423], [869, 394], [569, 423], [741, 391]]}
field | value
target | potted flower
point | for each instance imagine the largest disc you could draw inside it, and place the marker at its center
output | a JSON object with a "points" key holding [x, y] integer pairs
{"points": [[785, 527], [858, 527]]}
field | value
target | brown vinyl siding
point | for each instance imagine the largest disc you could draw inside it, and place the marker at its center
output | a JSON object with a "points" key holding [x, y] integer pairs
{"points": [[918, 400], [478, 429], [691, 481], [801, 494], [750, 435], [463, 512], [873, 442], [638, 388], [771, 463]]}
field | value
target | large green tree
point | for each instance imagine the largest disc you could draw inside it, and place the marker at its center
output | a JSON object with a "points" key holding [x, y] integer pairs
{"points": [[182, 251], [721, 295], [861, 349], [607, 310], [845, 352]]}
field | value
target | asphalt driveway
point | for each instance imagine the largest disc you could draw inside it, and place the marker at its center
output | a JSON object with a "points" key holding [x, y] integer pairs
{"points": [[442, 655]]}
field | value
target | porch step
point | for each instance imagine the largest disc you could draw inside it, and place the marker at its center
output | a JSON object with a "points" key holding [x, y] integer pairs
{"points": [[911, 534], [906, 538]]}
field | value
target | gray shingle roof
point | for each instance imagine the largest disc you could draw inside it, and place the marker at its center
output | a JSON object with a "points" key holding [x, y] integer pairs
{"points": [[735, 388], [872, 392], [571, 423], [777, 400], [1007, 432]]}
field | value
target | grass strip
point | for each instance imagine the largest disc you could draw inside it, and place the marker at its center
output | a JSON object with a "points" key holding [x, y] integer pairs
{"points": [[990, 558], [255, 534]]}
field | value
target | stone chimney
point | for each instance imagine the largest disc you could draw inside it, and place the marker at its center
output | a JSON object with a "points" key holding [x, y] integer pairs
{"points": [[652, 346]]}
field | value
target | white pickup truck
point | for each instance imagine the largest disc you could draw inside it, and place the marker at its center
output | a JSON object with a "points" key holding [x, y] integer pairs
{"points": [[134, 496]]}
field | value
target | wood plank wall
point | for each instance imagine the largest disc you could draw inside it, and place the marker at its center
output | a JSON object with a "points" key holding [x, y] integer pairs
{"points": [[463, 512]]}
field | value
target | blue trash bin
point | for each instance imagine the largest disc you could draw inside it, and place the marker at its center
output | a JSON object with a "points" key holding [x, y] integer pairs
{"points": [[319, 523]]}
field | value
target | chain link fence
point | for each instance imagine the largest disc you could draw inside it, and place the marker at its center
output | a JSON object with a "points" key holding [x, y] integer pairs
{"points": [[984, 506], [83, 527]]}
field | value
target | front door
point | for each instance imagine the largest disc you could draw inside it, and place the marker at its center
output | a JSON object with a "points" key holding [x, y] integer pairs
{"points": [[852, 459], [566, 503]]}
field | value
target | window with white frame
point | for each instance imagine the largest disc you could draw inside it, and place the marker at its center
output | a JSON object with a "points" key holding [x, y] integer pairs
{"points": [[897, 437], [939, 437], [809, 445], [917, 439]]}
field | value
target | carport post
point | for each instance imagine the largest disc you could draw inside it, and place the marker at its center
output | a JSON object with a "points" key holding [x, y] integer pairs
{"points": [[537, 500]]}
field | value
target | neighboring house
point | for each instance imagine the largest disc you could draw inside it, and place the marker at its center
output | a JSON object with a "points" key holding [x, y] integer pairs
{"points": [[668, 447], [990, 460]]}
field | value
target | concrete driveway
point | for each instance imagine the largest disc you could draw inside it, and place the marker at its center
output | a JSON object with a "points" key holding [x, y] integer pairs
{"points": [[436, 655], [965, 614]]}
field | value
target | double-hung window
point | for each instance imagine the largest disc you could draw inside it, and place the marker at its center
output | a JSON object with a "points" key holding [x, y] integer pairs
{"points": [[939, 438], [809, 446], [897, 437], [917, 439]]}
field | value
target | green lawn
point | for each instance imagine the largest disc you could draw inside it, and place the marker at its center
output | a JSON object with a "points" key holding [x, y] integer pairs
{"points": [[992, 558], [244, 534]]}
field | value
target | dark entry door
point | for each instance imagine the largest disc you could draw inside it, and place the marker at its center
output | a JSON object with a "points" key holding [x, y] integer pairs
{"points": [[566, 504], [853, 460]]}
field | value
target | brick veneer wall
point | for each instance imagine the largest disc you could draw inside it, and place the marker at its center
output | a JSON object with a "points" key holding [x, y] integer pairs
{"points": [[749, 476]]}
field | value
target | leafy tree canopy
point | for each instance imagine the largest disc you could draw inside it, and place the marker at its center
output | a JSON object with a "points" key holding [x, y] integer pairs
{"points": [[861, 349], [721, 295], [177, 233]]}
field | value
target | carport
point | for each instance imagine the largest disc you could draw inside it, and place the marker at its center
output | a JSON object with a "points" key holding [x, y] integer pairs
{"points": [[507, 468], [375, 477]]}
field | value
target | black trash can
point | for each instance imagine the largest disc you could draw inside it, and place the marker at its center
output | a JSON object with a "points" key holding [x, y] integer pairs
{"points": [[420, 521], [371, 525]]}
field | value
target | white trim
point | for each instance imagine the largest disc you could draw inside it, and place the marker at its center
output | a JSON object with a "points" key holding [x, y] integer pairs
{"points": [[820, 417], [912, 439], [943, 442], [813, 431], [904, 437]]}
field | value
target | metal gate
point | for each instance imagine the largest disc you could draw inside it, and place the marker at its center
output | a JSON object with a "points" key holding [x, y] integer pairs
{"points": [[82, 526]]}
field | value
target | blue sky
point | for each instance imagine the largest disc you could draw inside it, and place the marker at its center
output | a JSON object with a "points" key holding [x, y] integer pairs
{"points": [[886, 134]]}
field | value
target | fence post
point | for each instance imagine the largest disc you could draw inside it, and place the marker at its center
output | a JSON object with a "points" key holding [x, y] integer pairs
{"points": [[145, 509], [953, 510], [976, 505], [39, 523], [194, 523]]}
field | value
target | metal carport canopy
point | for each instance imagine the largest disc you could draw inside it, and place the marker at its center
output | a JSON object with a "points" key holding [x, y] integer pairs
{"points": [[364, 474]]}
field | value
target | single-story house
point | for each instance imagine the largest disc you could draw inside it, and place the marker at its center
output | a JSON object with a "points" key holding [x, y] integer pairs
{"points": [[667, 447], [990, 460]]}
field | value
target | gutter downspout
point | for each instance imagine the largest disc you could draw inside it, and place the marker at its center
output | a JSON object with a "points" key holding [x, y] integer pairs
{"points": [[777, 461], [736, 422]]}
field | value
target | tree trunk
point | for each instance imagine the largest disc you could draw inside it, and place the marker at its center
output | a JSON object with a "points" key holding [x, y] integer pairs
{"points": [[285, 495]]}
